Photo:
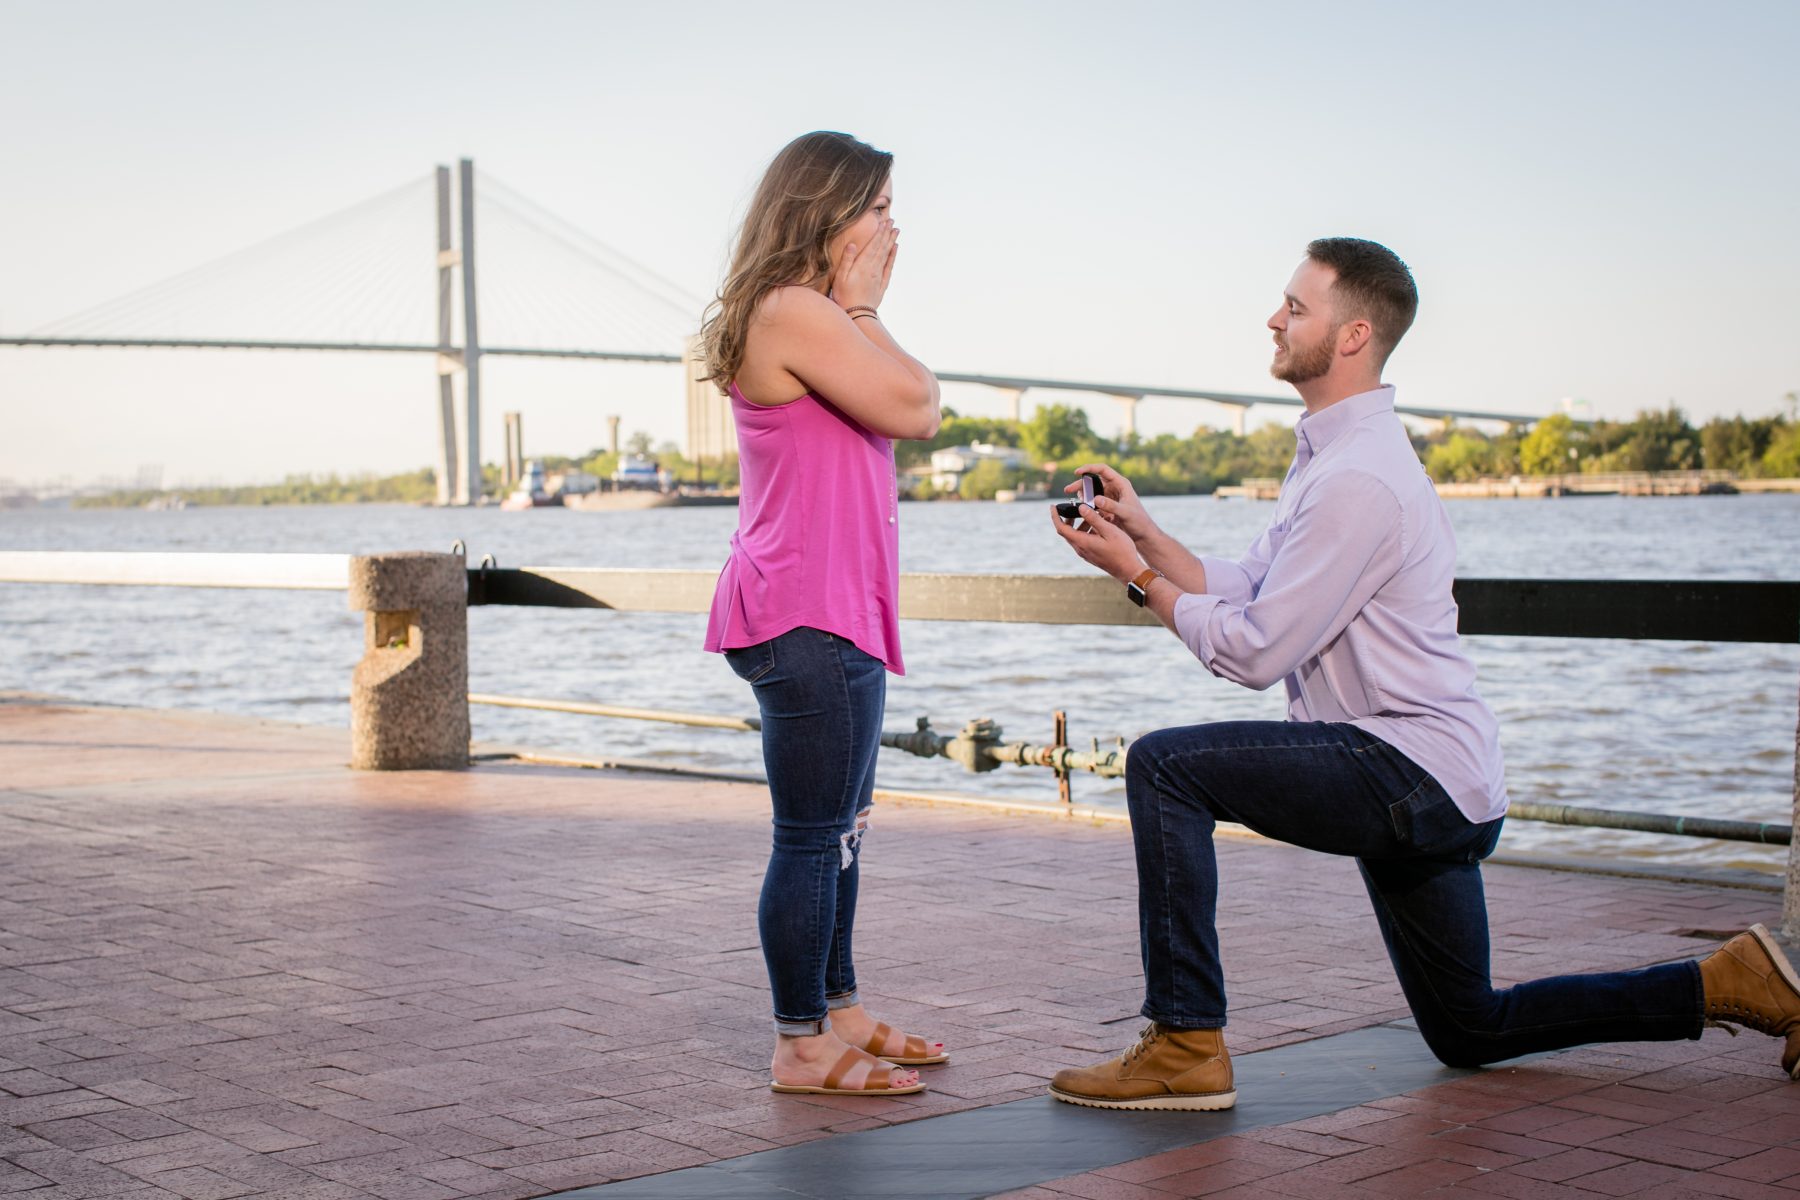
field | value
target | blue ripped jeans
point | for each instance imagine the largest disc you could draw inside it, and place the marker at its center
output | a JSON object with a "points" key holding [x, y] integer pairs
{"points": [[822, 701], [1334, 788]]}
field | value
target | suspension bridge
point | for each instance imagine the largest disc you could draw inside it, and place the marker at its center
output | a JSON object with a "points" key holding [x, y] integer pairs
{"points": [[359, 281]]}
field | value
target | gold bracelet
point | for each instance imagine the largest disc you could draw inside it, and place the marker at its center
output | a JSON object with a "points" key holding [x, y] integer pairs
{"points": [[860, 308], [860, 316]]}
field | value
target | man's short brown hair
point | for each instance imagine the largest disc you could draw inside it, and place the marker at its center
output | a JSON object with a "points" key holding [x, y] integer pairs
{"points": [[1372, 283]]}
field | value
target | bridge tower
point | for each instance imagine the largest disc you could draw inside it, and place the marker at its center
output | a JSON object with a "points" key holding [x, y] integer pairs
{"points": [[513, 468], [469, 486], [458, 474], [448, 360], [711, 432]]}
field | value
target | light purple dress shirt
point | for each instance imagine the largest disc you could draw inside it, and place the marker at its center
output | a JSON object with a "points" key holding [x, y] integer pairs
{"points": [[1346, 598]]}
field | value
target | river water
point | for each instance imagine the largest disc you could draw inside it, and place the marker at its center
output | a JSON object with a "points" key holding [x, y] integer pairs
{"points": [[1701, 728]]}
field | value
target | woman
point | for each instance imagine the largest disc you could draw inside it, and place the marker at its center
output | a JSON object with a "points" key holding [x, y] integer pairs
{"points": [[806, 607]]}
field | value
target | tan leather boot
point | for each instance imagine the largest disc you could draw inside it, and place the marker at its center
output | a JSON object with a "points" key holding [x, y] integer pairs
{"points": [[1182, 1069], [1748, 981]]}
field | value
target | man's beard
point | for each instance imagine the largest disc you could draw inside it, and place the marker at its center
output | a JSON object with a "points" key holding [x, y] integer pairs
{"points": [[1304, 366]]}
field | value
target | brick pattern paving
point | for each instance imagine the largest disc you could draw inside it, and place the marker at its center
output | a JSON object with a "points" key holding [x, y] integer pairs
{"points": [[231, 967], [1675, 1121]]}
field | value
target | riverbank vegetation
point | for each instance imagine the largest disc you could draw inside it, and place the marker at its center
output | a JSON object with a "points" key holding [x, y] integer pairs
{"points": [[1656, 440], [1057, 438], [411, 487]]}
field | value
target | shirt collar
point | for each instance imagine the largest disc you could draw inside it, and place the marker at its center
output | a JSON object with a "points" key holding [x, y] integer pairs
{"points": [[1318, 430]]}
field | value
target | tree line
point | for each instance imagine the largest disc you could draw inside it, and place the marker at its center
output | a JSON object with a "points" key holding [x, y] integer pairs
{"points": [[1057, 438], [410, 487], [1655, 440]]}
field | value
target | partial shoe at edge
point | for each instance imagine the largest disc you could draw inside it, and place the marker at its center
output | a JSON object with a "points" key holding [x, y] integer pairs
{"points": [[1749, 982], [1181, 1070]]}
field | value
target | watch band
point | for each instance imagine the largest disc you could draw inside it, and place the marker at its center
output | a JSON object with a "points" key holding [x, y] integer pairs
{"points": [[1138, 589]]}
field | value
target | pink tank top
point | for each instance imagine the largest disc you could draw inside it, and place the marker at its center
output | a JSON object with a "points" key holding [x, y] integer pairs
{"points": [[818, 537]]}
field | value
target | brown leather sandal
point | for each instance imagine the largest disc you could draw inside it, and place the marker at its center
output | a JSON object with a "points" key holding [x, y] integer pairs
{"points": [[875, 1085], [912, 1053]]}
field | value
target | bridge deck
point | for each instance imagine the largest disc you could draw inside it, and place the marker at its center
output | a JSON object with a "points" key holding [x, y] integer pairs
{"points": [[230, 966]]}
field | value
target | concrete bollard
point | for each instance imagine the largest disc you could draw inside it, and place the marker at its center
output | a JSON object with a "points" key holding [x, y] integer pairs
{"points": [[409, 697]]}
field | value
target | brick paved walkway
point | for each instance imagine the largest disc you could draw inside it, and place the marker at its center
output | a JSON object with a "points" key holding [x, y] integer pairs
{"points": [[1675, 1122], [229, 966]]}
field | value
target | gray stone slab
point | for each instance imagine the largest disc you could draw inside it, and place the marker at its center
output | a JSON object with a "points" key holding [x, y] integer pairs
{"points": [[966, 1155]]}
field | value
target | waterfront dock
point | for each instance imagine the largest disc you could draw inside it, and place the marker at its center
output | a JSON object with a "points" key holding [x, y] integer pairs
{"points": [[231, 966], [1626, 483]]}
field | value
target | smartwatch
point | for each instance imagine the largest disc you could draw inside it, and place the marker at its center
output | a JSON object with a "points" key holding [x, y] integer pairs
{"points": [[1136, 588]]}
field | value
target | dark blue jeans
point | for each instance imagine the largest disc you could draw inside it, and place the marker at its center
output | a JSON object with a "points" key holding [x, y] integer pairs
{"points": [[822, 701], [1334, 788]]}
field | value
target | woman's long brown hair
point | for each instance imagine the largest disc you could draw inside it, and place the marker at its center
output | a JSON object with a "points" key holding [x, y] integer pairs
{"points": [[816, 188]]}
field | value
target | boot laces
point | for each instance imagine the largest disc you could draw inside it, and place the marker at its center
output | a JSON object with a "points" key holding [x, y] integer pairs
{"points": [[1748, 1016], [1147, 1037], [1746, 1012], [1743, 1018]]}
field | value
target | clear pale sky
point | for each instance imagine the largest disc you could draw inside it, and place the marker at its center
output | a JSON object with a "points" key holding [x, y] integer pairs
{"points": [[1599, 199]]}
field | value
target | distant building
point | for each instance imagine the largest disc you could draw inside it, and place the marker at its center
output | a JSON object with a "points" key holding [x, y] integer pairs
{"points": [[711, 432], [950, 464]]}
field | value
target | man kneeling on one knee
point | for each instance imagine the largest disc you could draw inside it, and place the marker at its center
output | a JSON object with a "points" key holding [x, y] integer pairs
{"points": [[1388, 754]]}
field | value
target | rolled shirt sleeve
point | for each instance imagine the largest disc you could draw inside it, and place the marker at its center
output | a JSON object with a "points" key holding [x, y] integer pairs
{"points": [[1228, 579], [1346, 539], [1236, 579]]}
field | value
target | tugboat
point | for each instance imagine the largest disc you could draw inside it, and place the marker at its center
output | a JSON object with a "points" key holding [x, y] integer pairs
{"points": [[637, 483], [531, 492]]}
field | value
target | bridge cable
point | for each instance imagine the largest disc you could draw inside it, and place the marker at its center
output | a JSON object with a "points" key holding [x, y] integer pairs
{"points": [[189, 288]]}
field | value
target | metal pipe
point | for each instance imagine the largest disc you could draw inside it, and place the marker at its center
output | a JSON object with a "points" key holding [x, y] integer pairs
{"points": [[978, 747], [1768, 833], [1063, 759], [667, 716], [1060, 730]]}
